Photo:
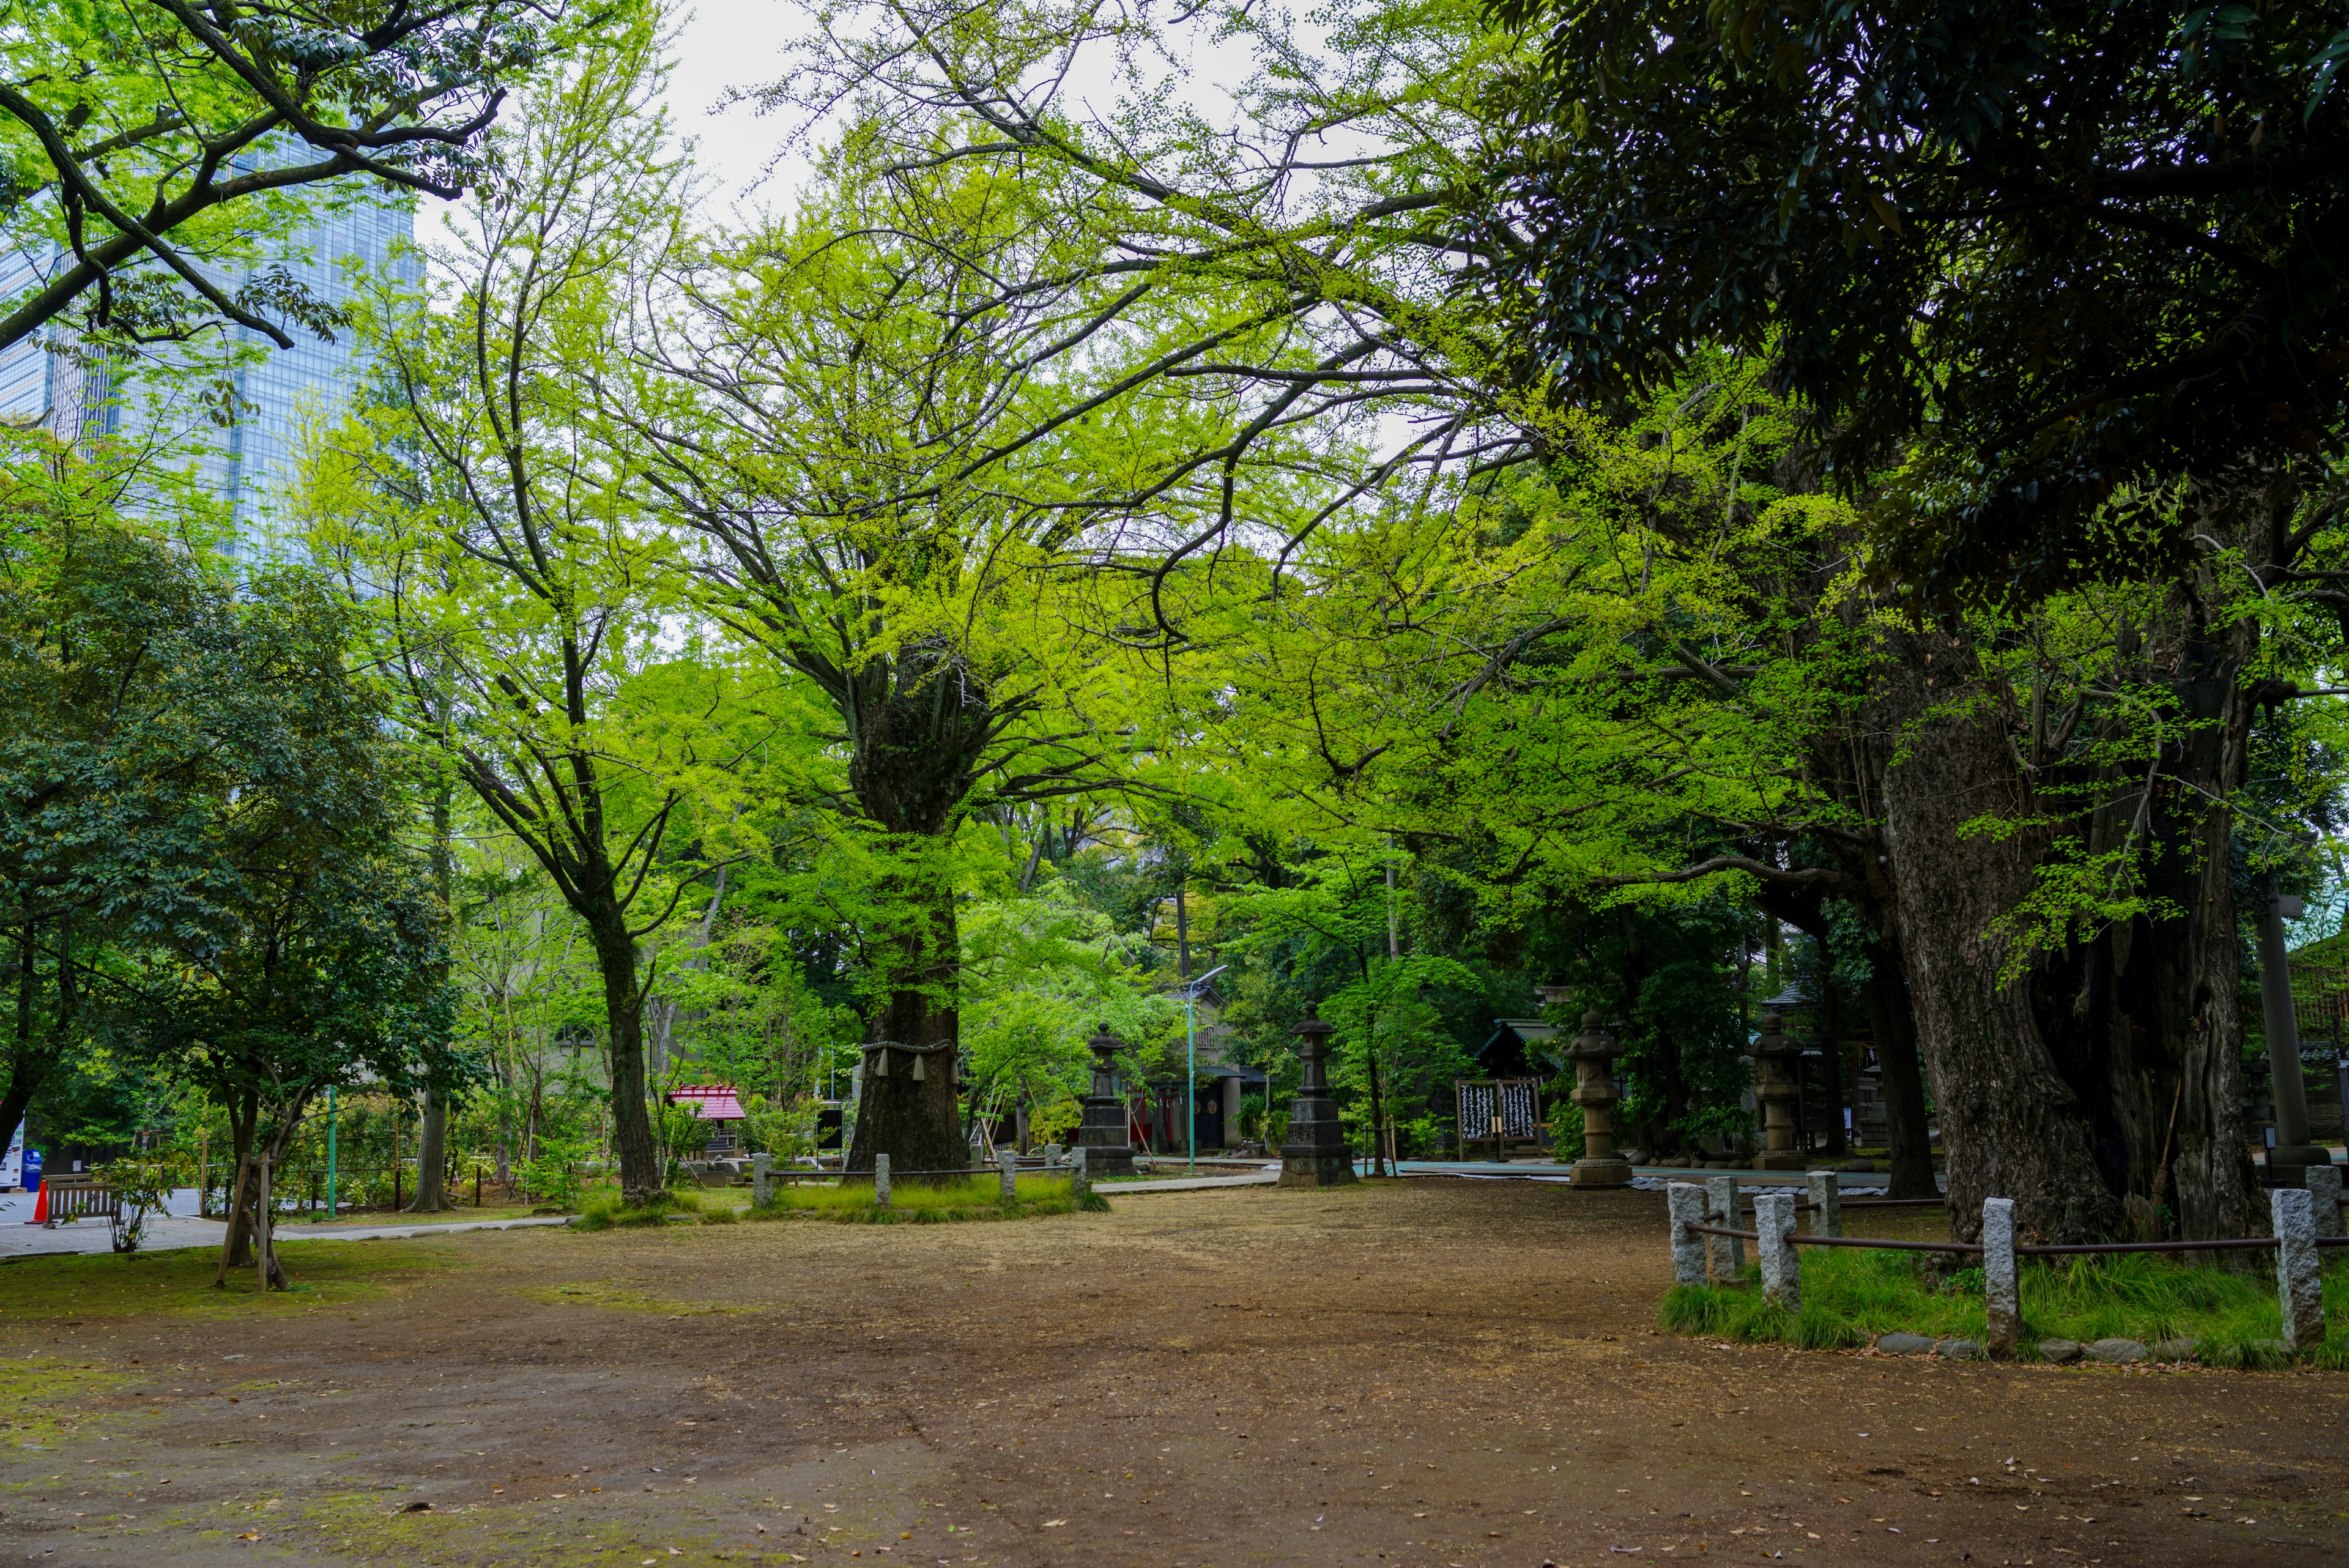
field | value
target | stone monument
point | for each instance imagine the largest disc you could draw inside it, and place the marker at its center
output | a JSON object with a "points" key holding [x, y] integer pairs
{"points": [[1776, 1090], [1593, 1052], [1315, 1154], [1104, 1137]]}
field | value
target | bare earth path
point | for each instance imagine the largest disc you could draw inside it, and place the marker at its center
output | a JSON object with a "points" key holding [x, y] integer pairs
{"points": [[1414, 1374]]}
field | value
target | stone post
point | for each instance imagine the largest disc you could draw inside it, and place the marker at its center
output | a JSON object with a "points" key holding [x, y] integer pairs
{"points": [[1316, 1154], [1009, 1163], [1782, 1268], [1593, 1052], [1052, 1153], [2293, 1151], [1081, 1180], [2300, 1289], [1727, 1252], [880, 1181], [762, 1180], [1686, 1201], [1105, 1138], [2001, 1292], [1775, 1091], [2325, 1198], [1826, 1203]]}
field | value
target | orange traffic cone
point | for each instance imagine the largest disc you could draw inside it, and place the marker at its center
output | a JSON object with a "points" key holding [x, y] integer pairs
{"points": [[40, 1207]]}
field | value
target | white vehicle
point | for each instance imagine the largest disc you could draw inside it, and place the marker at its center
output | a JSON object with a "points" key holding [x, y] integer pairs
{"points": [[12, 1165]]}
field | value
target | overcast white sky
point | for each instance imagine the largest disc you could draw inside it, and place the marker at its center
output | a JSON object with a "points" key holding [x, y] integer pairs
{"points": [[730, 44]]}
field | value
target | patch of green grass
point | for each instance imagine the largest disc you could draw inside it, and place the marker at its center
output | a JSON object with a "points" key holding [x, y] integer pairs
{"points": [[1852, 1295], [180, 1283], [606, 1209], [930, 1202]]}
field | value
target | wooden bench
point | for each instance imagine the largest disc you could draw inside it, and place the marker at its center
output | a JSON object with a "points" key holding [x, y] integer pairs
{"points": [[82, 1198]]}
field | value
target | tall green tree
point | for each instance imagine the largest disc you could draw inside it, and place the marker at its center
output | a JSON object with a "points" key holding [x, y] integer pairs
{"points": [[509, 556], [318, 957]]}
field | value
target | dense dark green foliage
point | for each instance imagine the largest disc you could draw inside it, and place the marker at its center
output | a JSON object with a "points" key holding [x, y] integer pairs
{"points": [[2060, 248]]}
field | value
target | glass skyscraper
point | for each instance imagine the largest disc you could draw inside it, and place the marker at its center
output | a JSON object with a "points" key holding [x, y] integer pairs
{"points": [[278, 391]]}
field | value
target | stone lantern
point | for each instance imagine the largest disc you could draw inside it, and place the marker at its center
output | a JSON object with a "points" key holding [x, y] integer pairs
{"points": [[1315, 1153], [1776, 1090], [1105, 1135], [1593, 1054]]}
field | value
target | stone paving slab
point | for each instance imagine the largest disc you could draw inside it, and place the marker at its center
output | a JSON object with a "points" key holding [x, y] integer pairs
{"points": [[1265, 1177]]}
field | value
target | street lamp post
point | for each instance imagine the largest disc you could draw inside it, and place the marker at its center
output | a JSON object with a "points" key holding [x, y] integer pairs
{"points": [[1191, 1065]]}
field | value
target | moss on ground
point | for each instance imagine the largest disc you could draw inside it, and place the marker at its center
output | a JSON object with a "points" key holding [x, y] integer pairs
{"points": [[623, 1296], [44, 1399], [373, 1527], [1849, 1295]]}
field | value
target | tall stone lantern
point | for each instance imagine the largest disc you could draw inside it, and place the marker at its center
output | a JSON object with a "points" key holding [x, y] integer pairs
{"points": [[1105, 1135], [1775, 1089], [1315, 1154], [1593, 1054]]}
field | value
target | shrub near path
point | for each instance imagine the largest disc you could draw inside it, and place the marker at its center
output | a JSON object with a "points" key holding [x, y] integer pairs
{"points": [[1406, 1373]]}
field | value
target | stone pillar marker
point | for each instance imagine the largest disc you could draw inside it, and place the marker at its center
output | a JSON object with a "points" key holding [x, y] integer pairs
{"points": [[1052, 1153], [1009, 1163], [1826, 1203], [1727, 1252], [880, 1181], [1080, 1180], [1776, 1090], [2002, 1293], [1315, 1154], [2325, 1198], [1782, 1266], [1593, 1052], [2300, 1289], [762, 1180], [1687, 1203], [1104, 1138]]}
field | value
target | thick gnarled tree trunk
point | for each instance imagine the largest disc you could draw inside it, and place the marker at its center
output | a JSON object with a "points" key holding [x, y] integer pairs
{"points": [[920, 723], [906, 1112], [2057, 1087]]}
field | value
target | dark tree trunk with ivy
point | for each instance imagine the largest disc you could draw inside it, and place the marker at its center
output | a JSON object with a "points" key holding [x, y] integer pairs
{"points": [[2095, 1082]]}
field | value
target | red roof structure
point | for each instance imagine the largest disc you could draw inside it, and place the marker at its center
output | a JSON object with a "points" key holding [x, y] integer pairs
{"points": [[710, 1101]]}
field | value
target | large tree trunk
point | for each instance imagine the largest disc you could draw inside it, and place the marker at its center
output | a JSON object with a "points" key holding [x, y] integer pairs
{"points": [[624, 1011], [432, 1158], [920, 722], [2011, 1124], [915, 1120], [2055, 1086], [2149, 1013]]}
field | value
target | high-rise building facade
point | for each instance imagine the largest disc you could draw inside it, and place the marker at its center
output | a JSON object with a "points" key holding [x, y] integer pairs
{"points": [[277, 390]]}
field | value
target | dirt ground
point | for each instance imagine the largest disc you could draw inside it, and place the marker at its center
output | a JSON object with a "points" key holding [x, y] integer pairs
{"points": [[1418, 1373]]}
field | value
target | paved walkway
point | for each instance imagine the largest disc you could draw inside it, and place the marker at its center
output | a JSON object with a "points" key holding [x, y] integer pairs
{"points": [[19, 1240]]}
